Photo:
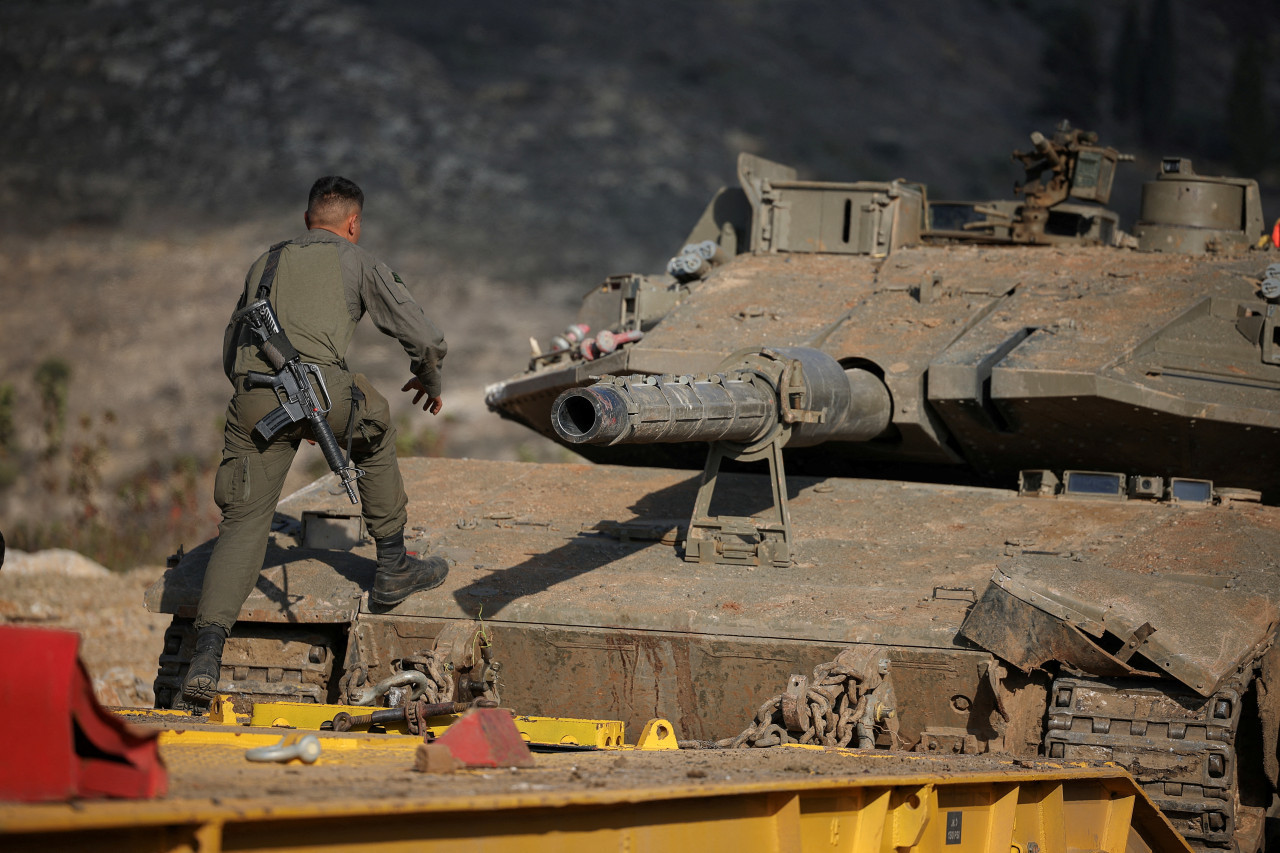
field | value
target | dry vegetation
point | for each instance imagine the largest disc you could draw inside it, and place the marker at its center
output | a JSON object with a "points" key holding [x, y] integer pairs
{"points": [[120, 641]]}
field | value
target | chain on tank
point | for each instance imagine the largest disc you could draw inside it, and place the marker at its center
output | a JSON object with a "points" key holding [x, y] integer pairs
{"points": [[846, 702]]}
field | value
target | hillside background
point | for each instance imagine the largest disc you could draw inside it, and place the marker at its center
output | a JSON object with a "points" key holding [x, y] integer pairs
{"points": [[513, 154]]}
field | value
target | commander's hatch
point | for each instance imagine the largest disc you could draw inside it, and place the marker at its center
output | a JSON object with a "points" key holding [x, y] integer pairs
{"points": [[1099, 621]]}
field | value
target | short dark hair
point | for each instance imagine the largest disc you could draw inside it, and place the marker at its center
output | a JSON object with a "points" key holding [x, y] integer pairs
{"points": [[331, 198]]}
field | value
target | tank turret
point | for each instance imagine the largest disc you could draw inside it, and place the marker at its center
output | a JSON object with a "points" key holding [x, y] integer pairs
{"points": [[1008, 334]]}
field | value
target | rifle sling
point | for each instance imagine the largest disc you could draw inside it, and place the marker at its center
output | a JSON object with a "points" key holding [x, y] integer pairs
{"points": [[264, 292], [269, 271], [278, 348]]}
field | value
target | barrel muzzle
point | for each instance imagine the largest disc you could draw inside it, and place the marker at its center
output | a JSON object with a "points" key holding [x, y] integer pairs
{"points": [[596, 414]]}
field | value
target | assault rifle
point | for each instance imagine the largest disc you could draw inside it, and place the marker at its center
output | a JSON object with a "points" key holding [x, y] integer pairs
{"points": [[299, 387]]}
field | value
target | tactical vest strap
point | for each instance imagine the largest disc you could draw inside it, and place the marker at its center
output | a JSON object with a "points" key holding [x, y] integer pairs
{"points": [[269, 271]]}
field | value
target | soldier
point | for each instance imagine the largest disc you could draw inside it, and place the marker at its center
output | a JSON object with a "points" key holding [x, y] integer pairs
{"points": [[323, 284]]}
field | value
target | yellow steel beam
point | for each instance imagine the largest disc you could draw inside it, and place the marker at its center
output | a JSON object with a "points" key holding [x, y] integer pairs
{"points": [[947, 811], [605, 734], [567, 731], [308, 715], [245, 739], [221, 713]]}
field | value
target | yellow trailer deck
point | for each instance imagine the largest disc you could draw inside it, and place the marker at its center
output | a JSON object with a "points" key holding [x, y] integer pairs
{"points": [[364, 794]]}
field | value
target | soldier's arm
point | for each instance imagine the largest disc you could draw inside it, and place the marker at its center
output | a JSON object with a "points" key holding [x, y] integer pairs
{"points": [[395, 313]]}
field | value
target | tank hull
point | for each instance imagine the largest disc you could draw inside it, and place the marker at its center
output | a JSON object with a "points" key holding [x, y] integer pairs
{"points": [[604, 619]]}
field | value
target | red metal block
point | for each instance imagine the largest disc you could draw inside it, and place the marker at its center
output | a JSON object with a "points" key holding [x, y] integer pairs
{"points": [[62, 744], [486, 737]]}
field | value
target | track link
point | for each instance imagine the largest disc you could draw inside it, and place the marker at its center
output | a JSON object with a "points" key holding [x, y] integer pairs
{"points": [[1178, 745]]}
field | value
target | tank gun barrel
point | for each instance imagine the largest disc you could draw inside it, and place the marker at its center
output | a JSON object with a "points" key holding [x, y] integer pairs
{"points": [[804, 391], [647, 409], [1045, 149]]}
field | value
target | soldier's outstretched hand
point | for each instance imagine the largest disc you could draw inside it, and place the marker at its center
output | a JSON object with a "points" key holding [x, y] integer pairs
{"points": [[432, 405]]}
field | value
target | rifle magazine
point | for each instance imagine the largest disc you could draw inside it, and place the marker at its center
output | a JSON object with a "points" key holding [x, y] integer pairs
{"points": [[272, 422]]}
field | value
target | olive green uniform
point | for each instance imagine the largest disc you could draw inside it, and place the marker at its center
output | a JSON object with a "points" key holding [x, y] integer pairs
{"points": [[323, 286]]}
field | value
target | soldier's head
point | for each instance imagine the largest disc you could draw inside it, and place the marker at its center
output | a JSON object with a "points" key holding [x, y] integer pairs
{"points": [[335, 205]]}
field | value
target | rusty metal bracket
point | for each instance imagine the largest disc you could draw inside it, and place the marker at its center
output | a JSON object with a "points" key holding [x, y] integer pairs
{"points": [[795, 704], [466, 650], [1135, 642], [737, 540], [791, 396], [992, 672]]}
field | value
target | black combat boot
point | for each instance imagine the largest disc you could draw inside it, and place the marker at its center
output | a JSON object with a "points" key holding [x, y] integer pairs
{"points": [[206, 665], [400, 574]]}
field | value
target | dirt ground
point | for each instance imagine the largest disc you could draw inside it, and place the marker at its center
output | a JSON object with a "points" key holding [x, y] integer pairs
{"points": [[119, 640]]}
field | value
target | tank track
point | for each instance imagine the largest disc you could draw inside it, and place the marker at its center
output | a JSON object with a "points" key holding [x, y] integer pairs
{"points": [[1178, 745], [291, 663]]}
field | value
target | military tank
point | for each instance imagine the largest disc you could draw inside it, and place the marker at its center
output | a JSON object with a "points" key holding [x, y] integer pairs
{"points": [[1020, 495]]}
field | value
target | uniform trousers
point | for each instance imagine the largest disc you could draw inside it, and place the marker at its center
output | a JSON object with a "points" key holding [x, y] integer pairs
{"points": [[252, 473]]}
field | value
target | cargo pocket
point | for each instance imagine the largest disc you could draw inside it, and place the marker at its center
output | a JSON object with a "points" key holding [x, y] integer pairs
{"points": [[375, 412], [233, 483]]}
